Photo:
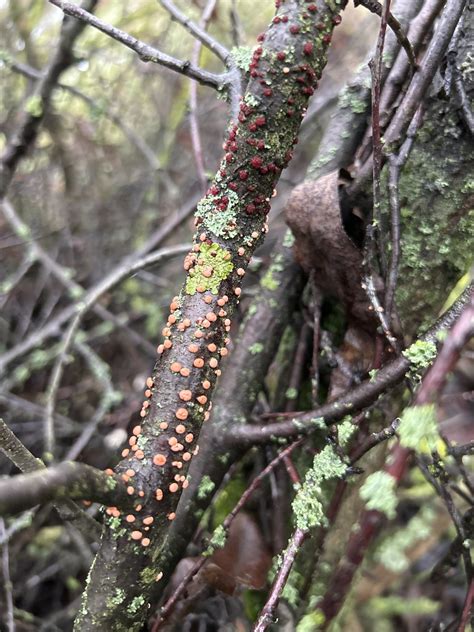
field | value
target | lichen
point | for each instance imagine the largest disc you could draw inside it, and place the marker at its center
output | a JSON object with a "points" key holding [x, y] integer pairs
{"points": [[289, 239], [117, 598], [307, 504], [217, 541], [206, 487], [215, 257], [242, 55], [311, 622], [418, 430], [393, 552], [345, 431], [136, 604], [256, 348], [223, 223], [420, 354], [378, 491]]}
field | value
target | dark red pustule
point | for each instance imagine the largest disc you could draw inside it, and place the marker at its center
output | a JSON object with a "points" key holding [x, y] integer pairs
{"points": [[260, 144], [243, 174], [260, 37], [213, 190], [267, 92], [233, 186], [250, 208], [312, 8], [284, 19], [336, 20], [281, 55], [260, 121], [294, 29], [256, 162], [308, 48]]}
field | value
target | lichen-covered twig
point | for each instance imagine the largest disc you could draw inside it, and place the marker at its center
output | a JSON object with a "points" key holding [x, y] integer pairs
{"points": [[355, 400], [373, 517], [231, 222]]}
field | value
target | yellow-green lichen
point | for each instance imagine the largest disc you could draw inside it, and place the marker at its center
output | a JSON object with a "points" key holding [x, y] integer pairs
{"points": [[217, 541], [420, 354], [378, 491], [206, 487], [418, 430], [214, 257], [307, 504]]}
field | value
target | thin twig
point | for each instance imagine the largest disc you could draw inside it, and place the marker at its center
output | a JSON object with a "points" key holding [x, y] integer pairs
{"points": [[267, 614], [7, 584], [376, 71], [375, 7], [193, 117], [143, 50]]}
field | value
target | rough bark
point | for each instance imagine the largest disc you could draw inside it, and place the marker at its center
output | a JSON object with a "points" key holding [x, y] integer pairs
{"points": [[231, 223]]}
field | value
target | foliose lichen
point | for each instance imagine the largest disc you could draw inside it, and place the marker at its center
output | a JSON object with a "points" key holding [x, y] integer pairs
{"points": [[420, 354], [206, 486], [221, 222], [378, 491], [418, 430], [307, 504]]}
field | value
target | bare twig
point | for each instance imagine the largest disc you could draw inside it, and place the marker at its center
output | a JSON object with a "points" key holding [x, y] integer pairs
{"points": [[69, 480], [143, 50], [267, 614], [26, 462], [375, 7], [193, 117], [8, 619], [128, 266]]}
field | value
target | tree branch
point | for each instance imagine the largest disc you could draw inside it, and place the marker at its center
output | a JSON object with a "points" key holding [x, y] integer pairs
{"points": [[143, 50], [354, 401], [68, 480], [13, 449]]}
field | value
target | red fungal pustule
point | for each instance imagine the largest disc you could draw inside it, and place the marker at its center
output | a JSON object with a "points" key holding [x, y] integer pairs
{"points": [[243, 174], [281, 55], [294, 29], [260, 121], [308, 48], [312, 8], [256, 162], [267, 92]]}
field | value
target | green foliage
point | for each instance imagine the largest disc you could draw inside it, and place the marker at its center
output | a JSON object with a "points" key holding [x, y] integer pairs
{"points": [[217, 258], [307, 504], [418, 430], [311, 622], [395, 605], [378, 491], [217, 541]]}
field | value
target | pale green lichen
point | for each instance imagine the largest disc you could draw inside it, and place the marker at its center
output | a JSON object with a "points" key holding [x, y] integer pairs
{"points": [[289, 239], [420, 354], [307, 504], [269, 281], [311, 622], [291, 393], [345, 431], [418, 430], [221, 223], [242, 55], [215, 257], [217, 541], [393, 552], [34, 105], [117, 598], [136, 604], [256, 348], [206, 487], [378, 491]]}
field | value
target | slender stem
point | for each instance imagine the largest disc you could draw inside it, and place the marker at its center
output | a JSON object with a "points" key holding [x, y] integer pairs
{"points": [[143, 50]]}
